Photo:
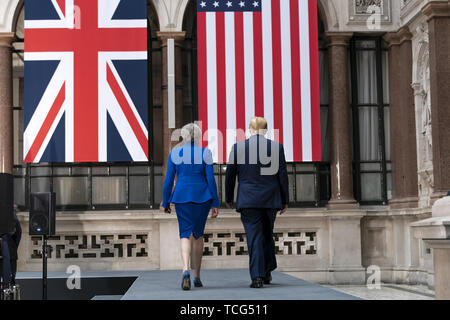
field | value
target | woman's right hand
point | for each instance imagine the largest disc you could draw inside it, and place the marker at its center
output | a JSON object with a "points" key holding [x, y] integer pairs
{"points": [[214, 213]]}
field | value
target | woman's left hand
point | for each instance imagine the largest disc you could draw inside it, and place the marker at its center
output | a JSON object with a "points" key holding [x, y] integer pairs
{"points": [[214, 213]]}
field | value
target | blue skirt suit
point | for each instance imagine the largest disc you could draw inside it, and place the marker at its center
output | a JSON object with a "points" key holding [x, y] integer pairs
{"points": [[195, 191]]}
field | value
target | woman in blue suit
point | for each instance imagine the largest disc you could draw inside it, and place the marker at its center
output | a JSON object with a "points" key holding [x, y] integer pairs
{"points": [[195, 194]]}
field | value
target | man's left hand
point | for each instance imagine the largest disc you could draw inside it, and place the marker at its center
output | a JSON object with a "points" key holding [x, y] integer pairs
{"points": [[284, 209]]}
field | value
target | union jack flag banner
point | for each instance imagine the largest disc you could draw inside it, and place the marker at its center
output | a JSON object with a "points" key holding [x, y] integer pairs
{"points": [[259, 58], [85, 81]]}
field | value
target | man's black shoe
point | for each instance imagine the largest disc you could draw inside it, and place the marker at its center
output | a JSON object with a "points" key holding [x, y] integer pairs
{"points": [[257, 283], [268, 278]]}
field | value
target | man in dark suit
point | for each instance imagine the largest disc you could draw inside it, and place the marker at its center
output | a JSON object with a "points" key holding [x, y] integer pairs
{"points": [[263, 190]]}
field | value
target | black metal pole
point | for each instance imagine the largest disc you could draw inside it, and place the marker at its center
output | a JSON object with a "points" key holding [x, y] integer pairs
{"points": [[44, 267]]}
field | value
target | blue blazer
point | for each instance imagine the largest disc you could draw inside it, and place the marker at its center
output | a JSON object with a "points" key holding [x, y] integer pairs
{"points": [[256, 190], [194, 169]]}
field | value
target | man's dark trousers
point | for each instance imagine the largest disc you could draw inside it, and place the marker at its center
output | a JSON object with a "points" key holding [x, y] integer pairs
{"points": [[259, 224]]}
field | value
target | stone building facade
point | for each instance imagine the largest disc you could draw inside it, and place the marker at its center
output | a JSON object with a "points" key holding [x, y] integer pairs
{"points": [[385, 80]]}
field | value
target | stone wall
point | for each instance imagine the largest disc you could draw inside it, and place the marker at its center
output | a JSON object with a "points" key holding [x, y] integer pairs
{"points": [[323, 246]]}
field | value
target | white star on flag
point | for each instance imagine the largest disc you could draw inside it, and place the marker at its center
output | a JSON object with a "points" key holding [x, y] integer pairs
{"points": [[229, 4], [242, 4], [255, 4], [203, 4], [216, 4]]}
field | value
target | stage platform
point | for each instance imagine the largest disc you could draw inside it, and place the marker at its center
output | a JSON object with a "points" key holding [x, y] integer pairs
{"points": [[165, 285]]}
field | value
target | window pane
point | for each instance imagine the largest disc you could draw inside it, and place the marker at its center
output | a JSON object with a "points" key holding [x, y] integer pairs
{"points": [[371, 187], [323, 67], [18, 128], [118, 170], [80, 171], [158, 190], [156, 76], [41, 171], [367, 77], [366, 44], [387, 132], [369, 134], [385, 57], [19, 191], [325, 135], [108, 190], [40, 185], [71, 191], [139, 190], [370, 166], [389, 186], [141, 170], [305, 167], [100, 171], [61, 171], [306, 188], [20, 171], [291, 178], [157, 148]]}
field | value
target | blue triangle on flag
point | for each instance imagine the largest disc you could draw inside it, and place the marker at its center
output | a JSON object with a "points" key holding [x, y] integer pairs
{"points": [[133, 74], [40, 10], [55, 151], [39, 74], [136, 9], [117, 151]]}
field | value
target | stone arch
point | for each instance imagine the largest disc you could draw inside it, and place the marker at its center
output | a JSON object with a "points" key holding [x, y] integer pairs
{"points": [[8, 13], [170, 14], [189, 19], [18, 11], [328, 14], [153, 18]]}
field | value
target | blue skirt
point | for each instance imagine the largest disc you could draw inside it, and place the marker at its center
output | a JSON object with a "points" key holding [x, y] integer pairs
{"points": [[192, 218]]}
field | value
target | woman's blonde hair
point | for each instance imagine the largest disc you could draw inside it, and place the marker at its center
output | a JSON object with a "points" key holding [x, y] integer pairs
{"points": [[191, 133]]}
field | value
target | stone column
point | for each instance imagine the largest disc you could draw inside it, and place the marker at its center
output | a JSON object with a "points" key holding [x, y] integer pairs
{"points": [[403, 128], [6, 111], [167, 133], [438, 14], [342, 196]]}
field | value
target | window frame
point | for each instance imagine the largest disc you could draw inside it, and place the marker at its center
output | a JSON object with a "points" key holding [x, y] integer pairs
{"points": [[381, 106]]}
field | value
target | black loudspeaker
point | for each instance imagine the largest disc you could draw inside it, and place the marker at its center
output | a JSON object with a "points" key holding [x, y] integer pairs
{"points": [[42, 214], [6, 203]]}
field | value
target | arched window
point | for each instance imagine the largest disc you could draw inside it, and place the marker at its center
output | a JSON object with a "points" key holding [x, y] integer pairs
{"points": [[309, 182]]}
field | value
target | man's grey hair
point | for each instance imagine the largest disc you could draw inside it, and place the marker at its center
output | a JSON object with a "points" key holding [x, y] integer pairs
{"points": [[191, 133]]}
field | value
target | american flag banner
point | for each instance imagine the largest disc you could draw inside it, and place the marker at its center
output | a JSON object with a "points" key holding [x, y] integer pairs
{"points": [[85, 81], [259, 58]]}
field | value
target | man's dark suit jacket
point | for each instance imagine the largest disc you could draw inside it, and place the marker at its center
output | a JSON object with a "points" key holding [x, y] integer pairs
{"points": [[257, 189]]}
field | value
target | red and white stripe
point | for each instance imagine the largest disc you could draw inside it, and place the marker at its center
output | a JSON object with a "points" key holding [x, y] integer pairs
{"points": [[261, 64]]}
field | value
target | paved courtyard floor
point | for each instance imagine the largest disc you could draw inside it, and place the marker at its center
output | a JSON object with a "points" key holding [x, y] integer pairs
{"points": [[234, 285], [386, 292]]}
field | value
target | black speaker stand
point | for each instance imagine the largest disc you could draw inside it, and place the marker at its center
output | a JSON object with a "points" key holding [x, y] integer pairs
{"points": [[44, 267]]}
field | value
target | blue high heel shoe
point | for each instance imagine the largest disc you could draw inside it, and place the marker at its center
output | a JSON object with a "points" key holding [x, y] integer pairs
{"points": [[186, 281], [198, 283]]}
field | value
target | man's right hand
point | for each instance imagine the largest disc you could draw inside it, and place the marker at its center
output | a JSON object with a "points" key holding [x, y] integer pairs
{"points": [[229, 205], [283, 211]]}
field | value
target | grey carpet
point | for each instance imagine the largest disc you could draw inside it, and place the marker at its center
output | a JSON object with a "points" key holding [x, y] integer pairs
{"points": [[227, 285]]}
